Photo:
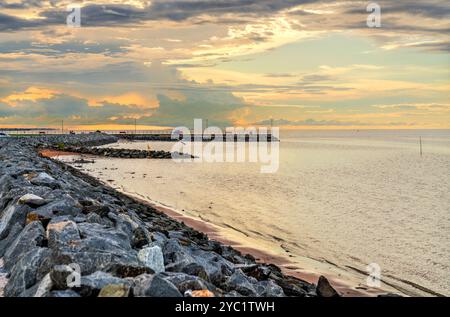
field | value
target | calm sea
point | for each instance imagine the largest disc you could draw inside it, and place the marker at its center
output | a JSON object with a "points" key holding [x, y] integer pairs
{"points": [[341, 200]]}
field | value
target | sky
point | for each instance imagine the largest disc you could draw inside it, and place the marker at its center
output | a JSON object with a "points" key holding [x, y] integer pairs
{"points": [[301, 64]]}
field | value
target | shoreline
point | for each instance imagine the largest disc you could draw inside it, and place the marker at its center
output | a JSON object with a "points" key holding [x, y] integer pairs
{"points": [[262, 257], [53, 215], [345, 288]]}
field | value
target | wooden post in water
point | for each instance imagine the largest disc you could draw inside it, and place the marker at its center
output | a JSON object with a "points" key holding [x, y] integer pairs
{"points": [[420, 142]]}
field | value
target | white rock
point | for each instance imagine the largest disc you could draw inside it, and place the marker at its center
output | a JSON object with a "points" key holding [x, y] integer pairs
{"points": [[44, 177], [152, 257], [30, 199]]}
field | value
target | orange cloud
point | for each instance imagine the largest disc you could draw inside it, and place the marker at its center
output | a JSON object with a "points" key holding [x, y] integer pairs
{"points": [[130, 98], [30, 94]]}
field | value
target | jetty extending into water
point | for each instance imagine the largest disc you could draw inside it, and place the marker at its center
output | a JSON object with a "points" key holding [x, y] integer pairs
{"points": [[156, 135]]}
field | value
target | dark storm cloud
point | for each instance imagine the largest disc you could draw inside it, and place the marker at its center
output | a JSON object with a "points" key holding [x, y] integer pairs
{"points": [[24, 4], [120, 15], [436, 10], [11, 23]]}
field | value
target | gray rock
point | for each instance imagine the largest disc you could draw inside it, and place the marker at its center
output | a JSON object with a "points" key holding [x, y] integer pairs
{"points": [[6, 242], [65, 293], [32, 236], [239, 282], [44, 287], [185, 282], [95, 260], [79, 219], [106, 238], [269, 289], [14, 214], [32, 200], [95, 218], [63, 235], [152, 257], [196, 270], [186, 259], [154, 286], [25, 273], [66, 205], [91, 285], [43, 179]]}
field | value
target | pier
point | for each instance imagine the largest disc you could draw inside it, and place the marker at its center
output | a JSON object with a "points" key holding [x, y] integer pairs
{"points": [[151, 135]]}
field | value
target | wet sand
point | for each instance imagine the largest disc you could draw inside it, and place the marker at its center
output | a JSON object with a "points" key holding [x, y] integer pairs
{"points": [[288, 267], [54, 153]]}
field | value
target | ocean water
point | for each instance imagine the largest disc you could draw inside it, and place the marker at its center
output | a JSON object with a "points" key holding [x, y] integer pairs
{"points": [[341, 200]]}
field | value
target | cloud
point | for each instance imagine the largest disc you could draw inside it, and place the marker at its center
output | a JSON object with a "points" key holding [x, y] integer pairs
{"points": [[177, 102], [70, 109], [12, 23], [280, 75]]}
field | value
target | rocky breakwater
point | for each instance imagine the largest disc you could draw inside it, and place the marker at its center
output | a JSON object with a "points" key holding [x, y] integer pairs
{"points": [[116, 153], [64, 234]]}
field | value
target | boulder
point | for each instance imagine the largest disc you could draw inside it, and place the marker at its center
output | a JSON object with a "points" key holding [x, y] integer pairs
{"points": [[269, 289], [115, 290], [196, 270], [43, 179], [214, 268], [65, 293], [6, 242], [154, 286], [32, 236], [103, 237], [239, 282], [293, 286], [95, 218], [44, 287], [63, 235], [127, 270], [185, 282], [26, 272], [14, 214], [65, 205], [92, 284], [32, 200], [102, 210], [324, 288], [152, 257], [91, 261]]}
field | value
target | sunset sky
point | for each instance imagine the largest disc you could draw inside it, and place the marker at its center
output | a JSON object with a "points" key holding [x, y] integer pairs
{"points": [[302, 63]]}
